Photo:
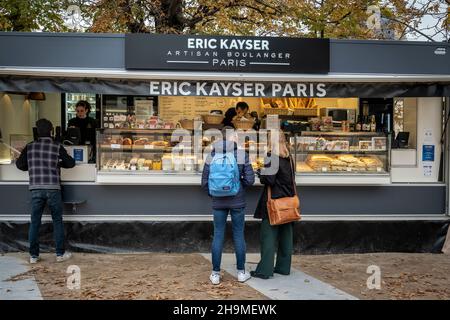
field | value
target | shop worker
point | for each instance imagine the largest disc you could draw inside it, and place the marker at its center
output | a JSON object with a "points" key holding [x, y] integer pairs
{"points": [[242, 110], [84, 122], [226, 175], [43, 159]]}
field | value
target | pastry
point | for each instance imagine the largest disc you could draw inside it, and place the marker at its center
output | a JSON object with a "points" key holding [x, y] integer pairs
{"points": [[148, 163], [141, 141], [160, 143], [348, 158], [127, 142]]}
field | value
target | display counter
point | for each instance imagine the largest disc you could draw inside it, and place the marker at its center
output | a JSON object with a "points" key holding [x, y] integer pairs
{"points": [[80, 173]]}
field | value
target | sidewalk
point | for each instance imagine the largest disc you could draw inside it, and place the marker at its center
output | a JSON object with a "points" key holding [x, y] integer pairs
{"points": [[12, 287], [185, 276], [296, 286]]}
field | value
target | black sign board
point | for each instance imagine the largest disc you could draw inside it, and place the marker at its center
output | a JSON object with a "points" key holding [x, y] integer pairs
{"points": [[226, 53]]}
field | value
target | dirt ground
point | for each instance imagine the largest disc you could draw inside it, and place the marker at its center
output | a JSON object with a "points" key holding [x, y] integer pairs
{"points": [[151, 276], [403, 276], [185, 276]]}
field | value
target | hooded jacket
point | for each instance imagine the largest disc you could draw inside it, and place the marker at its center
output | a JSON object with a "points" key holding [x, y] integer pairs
{"points": [[245, 171]]}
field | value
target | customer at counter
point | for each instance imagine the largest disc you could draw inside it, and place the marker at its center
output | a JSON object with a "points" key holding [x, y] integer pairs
{"points": [[43, 159], [229, 116], [85, 123]]}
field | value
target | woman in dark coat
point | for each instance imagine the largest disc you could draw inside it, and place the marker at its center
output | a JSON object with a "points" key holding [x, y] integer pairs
{"points": [[276, 238], [228, 119]]}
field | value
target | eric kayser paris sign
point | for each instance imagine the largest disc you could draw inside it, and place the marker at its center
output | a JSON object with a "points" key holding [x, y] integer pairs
{"points": [[226, 53]]}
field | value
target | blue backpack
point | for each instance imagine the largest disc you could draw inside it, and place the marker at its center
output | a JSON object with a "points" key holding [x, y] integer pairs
{"points": [[224, 178]]}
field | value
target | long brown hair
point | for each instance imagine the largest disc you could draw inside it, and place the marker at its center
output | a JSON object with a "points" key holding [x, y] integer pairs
{"points": [[281, 148]]}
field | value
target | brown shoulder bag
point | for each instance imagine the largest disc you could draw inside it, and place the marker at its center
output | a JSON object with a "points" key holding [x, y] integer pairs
{"points": [[283, 210]]}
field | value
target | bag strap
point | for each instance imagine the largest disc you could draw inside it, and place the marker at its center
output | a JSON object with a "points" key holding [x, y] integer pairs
{"points": [[292, 171]]}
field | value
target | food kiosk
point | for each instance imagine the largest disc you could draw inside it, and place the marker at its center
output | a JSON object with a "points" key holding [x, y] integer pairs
{"points": [[326, 93]]}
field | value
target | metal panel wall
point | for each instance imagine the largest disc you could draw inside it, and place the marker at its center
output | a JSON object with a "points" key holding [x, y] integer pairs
{"points": [[191, 200], [83, 50]]}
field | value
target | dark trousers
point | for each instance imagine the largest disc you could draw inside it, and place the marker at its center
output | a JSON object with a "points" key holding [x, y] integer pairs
{"points": [[277, 239], [39, 198]]}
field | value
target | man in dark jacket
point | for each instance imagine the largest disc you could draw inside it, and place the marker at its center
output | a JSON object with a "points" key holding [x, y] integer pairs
{"points": [[43, 160], [230, 204]]}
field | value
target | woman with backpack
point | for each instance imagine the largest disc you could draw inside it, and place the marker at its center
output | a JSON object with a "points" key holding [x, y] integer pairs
{"points": [[226, 175], [275, 238]]}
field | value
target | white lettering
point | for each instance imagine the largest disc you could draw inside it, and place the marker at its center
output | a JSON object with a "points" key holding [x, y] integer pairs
{"points": [[201, 89], [321, 91], [191, 44], [165, 88], [215, 89], [259, 90], [226, 87], [154, 88], [276, 88], [248, 89], [288, 90], [182, 90], [237, 91], [301, 90]]}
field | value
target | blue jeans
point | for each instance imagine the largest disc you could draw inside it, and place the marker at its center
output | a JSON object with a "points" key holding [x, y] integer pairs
{"points": [[220, 222], [39, 198]]}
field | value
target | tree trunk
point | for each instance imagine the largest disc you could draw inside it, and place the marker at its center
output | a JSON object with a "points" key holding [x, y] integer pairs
{"points": [[170, 19]]}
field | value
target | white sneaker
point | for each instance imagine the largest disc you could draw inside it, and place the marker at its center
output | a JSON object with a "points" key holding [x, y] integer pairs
{"points": [[243, 276], [215, 278], [34, 260], [64, 257]]}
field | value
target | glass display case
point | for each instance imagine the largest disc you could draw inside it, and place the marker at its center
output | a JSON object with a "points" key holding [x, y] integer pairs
{"points": [[137, 151], [341, 152]]}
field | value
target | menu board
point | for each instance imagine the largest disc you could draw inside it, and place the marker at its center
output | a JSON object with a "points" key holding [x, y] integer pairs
{"points": [[175, 108]]}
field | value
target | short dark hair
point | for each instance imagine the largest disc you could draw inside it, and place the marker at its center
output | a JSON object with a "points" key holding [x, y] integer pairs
{"points": [[242, 105], [44, 128], [85, 104]]}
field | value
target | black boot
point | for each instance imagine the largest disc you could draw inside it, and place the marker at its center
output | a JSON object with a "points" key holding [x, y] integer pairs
{"points": [[258, 275]]}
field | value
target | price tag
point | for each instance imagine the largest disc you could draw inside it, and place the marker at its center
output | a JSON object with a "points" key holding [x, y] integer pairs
{"points": [[324, 169], [149, 146], [116, 146], [379, 169], [349, 169]]}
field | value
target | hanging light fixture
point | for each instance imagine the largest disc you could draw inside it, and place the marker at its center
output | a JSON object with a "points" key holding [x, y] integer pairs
{"points": [[36, 96]]}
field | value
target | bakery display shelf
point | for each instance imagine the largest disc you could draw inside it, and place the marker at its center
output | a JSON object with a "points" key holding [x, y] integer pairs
{"points": [[133, 149], [341, 134], [342, 152], [137, 132]]}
